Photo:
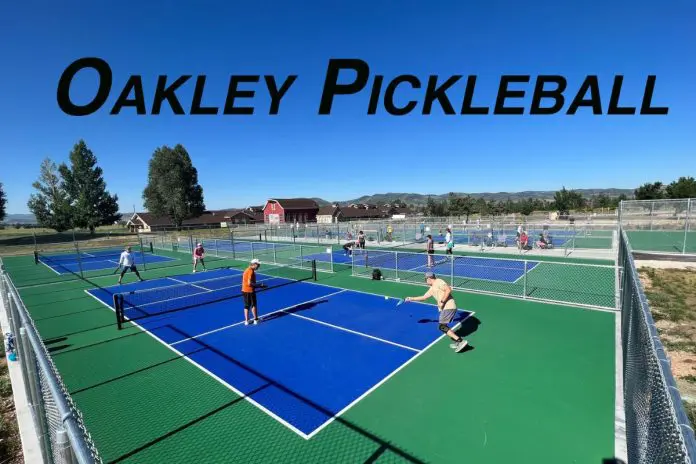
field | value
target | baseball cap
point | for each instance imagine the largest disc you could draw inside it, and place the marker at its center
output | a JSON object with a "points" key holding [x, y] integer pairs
{"points": [[255, 261], [429, 275]]}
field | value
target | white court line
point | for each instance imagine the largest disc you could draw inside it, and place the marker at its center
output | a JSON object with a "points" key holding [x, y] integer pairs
{"points": [[528, 270], [230, 387], [59, 273], [353, 331], [220, 329], [381, 382], [189, 283]]}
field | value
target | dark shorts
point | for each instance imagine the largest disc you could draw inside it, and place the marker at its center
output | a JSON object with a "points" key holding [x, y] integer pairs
{"points": [[249, 300], [431, 252], [131, 268]]}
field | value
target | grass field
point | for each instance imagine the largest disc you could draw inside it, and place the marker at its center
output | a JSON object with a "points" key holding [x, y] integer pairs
{"points": [[537, 386]]}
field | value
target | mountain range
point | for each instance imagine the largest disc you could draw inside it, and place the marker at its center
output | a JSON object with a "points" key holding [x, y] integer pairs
{"points": [[421, 199], [416, 199]]}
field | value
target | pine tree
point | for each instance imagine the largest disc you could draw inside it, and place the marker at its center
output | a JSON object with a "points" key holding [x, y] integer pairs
{"points": [[172, 188], [92, 205]]}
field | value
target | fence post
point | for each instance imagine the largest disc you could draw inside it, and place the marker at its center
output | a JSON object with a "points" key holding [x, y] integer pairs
{"points": [[396, 265], [35, 394], [686, 225], [451, 258], [524, 288], [63, 446], [275, 256], [79, 258], [142, 251]]}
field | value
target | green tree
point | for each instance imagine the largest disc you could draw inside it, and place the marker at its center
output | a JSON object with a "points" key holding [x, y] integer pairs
{"points": [[685, 187], [3, 202], [83, 180], [527, 207], [435, 208], [565, 200], [50, 204], [460, 206], [649, 191], [172, 188]]}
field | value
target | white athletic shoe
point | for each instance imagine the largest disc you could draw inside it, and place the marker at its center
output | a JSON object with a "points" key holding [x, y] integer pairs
{"points": [[194, 271], [460, 346], [256, 322], [246, 322], [454, 345]]}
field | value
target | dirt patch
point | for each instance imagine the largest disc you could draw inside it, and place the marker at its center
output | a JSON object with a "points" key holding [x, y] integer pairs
{"points": [[672, 297], [10, 444]]}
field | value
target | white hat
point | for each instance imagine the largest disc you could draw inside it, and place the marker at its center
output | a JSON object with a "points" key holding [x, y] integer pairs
{"points": [[255, 261]]}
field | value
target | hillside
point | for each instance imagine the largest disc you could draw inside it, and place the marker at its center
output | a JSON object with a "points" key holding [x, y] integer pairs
{"points": [[421, 199]]}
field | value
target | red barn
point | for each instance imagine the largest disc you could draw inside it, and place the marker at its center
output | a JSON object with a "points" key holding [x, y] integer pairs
{"points": [[279, 211]]}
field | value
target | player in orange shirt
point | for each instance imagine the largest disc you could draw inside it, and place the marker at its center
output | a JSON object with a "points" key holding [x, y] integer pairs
{"points": [[249, 287]]}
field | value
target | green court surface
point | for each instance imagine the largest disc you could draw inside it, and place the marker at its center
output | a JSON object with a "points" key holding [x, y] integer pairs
{"points": [[538, 385], [666, 241]]}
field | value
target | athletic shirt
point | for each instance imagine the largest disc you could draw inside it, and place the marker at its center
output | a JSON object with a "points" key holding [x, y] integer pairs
{"points": [[430, 244], [198, 252], [126, 259], [448, 237], [248, 280], [437, 291]]}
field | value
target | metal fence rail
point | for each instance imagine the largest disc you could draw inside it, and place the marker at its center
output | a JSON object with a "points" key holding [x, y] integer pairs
{"points": [[657, 428], [62, 434], [588, 285]]}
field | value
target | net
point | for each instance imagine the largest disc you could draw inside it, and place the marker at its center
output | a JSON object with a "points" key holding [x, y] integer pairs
{"points": [[86, 254], [396, 260], [146, 303]]}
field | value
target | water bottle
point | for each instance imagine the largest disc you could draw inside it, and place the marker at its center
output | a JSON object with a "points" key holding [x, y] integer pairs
{"points": [[10, 347]]}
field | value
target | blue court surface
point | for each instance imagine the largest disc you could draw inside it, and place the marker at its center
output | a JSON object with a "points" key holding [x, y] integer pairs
{"points": [[502, 270], [94, 260], [317, 351]]}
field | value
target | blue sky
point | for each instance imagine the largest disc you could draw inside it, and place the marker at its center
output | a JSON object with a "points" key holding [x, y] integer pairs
{"points": [[243, 160]]}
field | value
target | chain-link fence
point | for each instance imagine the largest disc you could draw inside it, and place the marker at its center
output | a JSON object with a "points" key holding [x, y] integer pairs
{"points": [[657, 428], [660, 226], [285, 254], [569, 283], [61, 431]]}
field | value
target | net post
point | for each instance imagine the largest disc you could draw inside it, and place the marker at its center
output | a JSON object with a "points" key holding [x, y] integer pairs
{"points": [[152, 248], [524, 288], [451, 258], [216, 247], [314, 270], [275, 253], [331, 261], [36, 257], [252, 249], [33, 234], [117, 309]]}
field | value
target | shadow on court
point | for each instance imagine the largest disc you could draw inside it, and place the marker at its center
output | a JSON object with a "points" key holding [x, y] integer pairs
{"points": [[382, 445]]}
